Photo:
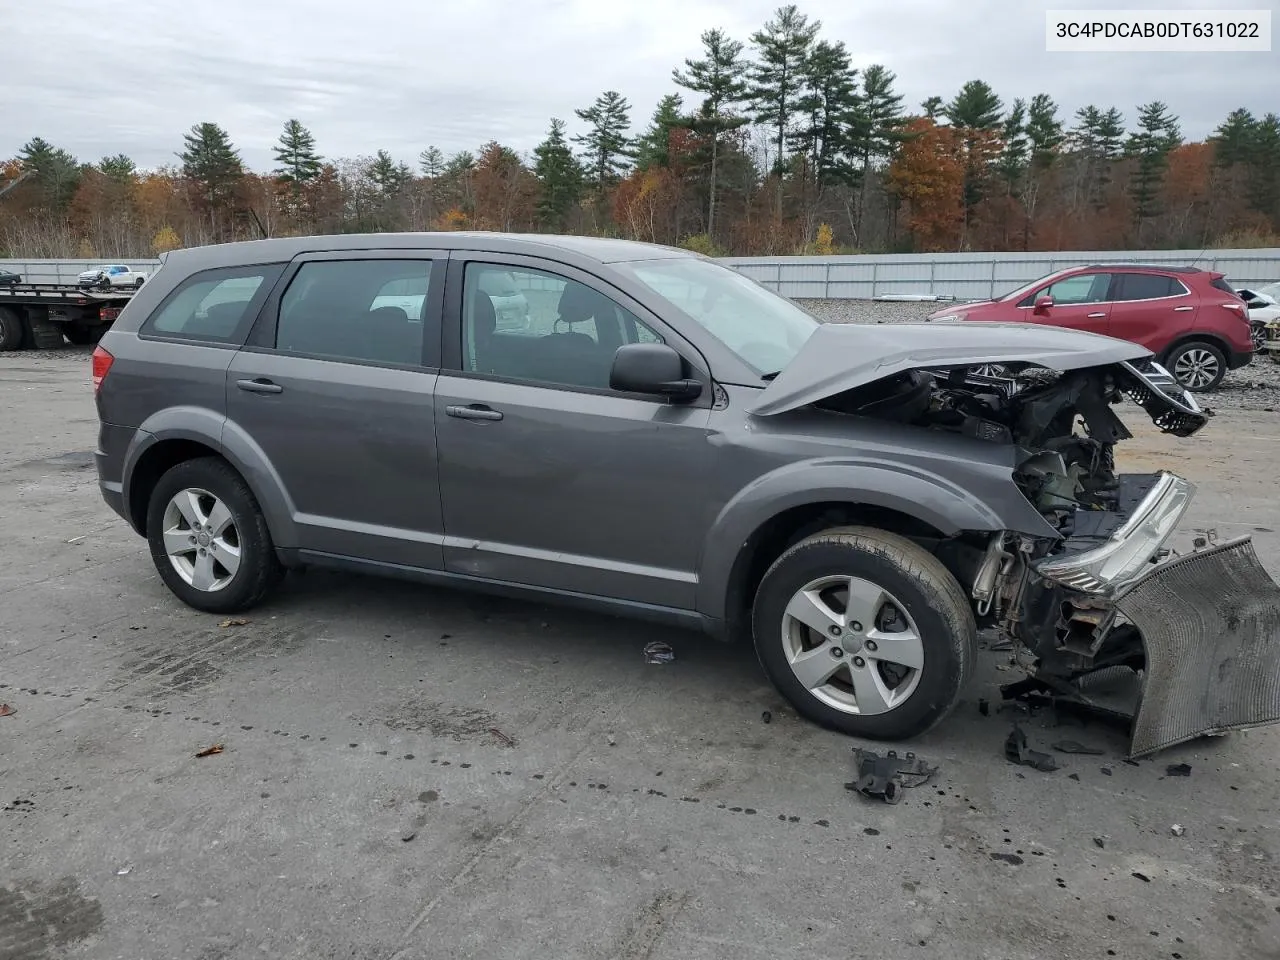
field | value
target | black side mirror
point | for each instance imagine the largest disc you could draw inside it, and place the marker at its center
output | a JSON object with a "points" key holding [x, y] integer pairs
{"points": [[653, 368]]}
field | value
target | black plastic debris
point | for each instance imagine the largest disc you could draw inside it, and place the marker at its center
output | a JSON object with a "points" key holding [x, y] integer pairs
{"points": [[767, 717], [1142, 876], [1017, 751], [1106, 771], [1071, 746], [1178, 770], [884, 778], [658, 652], [1099, 843], [1073, 776]]}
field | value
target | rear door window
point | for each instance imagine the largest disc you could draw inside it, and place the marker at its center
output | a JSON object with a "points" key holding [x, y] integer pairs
{"points": [[367, 310], [217, 306], [1148, 286]]}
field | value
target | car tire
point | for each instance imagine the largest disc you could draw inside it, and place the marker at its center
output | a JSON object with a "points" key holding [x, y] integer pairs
{"points": [[189, 499], [903, 586], [83, 335], [1197, 364], [12, 330], [139, 282]]}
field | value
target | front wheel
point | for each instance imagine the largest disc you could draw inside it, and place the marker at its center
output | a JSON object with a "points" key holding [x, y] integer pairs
{"points": [[865, 632], [1198, 365], [209, 539]]}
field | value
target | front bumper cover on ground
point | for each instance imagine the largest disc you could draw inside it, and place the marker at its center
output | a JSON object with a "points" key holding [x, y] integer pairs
{"points": [[1210, 623]]}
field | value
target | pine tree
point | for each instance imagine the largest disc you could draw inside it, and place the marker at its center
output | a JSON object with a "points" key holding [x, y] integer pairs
{"points": [[212, 163], [829, 102], [932, 107], [431, 163], [119, 168], [1234, 138], [720, 76], [298, 162], [1264, 168], [975, 112], [1014, 145], [653, 147], [777, 79], [56, 172], [389, 176], [1150, 145], [560, 176], [607, 144], [876, 129], [1044, 130]]}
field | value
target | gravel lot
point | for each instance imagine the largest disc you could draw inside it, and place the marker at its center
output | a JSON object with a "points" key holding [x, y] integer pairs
{"points": [[1256, 387], [408, 773]]}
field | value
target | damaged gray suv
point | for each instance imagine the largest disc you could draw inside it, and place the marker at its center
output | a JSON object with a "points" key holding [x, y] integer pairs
{"points": [[666, 438]]}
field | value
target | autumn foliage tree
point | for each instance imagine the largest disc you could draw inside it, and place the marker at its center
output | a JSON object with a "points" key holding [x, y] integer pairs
{"points": [[928, 176]]}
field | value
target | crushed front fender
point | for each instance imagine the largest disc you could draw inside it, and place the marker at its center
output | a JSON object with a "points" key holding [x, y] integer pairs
{"points": [[1210, 626]]}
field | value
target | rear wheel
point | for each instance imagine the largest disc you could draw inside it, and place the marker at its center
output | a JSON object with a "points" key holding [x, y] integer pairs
{"points": [[1198, 365], [139, 282], [865, 632], [83, 335], [209, 539], [12, 329]]}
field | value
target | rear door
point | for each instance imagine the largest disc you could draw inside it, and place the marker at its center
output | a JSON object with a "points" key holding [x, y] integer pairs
{"points": [[335, 388], [1080, 302], [1151, 309]]}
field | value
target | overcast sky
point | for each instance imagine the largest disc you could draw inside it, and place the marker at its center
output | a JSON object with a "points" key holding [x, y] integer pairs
{"points": [[403, 74]]}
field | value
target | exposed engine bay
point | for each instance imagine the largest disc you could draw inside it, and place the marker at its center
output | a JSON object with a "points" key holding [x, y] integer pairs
{"points": [[1104, 609]]}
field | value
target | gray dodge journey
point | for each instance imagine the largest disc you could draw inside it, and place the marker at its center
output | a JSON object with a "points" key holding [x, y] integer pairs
{"points": [[660, 436]]}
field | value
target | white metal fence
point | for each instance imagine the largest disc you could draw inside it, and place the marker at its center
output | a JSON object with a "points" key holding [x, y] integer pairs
{"points": [[966, 276], [975, 276]]}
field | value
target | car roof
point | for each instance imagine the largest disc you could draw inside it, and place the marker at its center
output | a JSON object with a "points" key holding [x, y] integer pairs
{"points": [[1157, 267], [566, 248]]}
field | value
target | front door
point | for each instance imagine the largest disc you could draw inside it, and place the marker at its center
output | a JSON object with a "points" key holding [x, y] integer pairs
{"points": [[1080, 302], [548, 477], [335, 388]]}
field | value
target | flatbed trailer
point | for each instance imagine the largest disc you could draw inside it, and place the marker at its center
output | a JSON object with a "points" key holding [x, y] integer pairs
{"points": [[41, 315]]}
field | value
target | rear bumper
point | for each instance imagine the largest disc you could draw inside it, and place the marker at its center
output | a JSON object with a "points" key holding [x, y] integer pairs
{"points": [[1239, 358], [108, 458]]}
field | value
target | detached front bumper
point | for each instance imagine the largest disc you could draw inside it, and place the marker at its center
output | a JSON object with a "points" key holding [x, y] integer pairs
{"points": [[1208, 623]]}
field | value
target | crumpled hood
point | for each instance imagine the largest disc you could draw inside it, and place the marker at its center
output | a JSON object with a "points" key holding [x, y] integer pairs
{"points": [[841, 356]]}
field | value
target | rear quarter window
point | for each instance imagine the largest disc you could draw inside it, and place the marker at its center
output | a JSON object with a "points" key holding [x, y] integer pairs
{"points": [[215, 306]]}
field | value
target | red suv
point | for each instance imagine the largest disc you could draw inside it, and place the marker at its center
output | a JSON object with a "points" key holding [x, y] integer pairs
{"points": [[1191, 319]]}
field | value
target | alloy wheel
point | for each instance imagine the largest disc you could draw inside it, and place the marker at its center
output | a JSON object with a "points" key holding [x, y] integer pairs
{"points": [[1196, 368], [852, 645], [201, 540]]}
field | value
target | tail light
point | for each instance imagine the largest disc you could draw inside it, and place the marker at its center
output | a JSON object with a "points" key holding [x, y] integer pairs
{"points": [[102, 361]]}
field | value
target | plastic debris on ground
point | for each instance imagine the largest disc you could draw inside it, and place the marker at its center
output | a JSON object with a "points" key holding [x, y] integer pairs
{"points": [[6, 710], [884, 778], [216, 749], [1177, 829], [1016, 750], [658, 652], [1071, 746], [236, 622], [1178, 770]]}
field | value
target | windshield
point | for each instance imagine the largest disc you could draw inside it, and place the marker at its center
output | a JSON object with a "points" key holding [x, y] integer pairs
{"points": [[1026, 288], [1271, 290], [764, 329]]}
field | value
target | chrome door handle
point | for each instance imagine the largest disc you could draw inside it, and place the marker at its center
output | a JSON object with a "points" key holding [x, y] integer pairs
{"points": [[259, 386], [1182, 309], [1096, 316], [473, 412]]}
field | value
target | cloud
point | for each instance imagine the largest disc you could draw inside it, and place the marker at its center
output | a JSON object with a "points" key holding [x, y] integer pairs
{"points": [[401, 75]]}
